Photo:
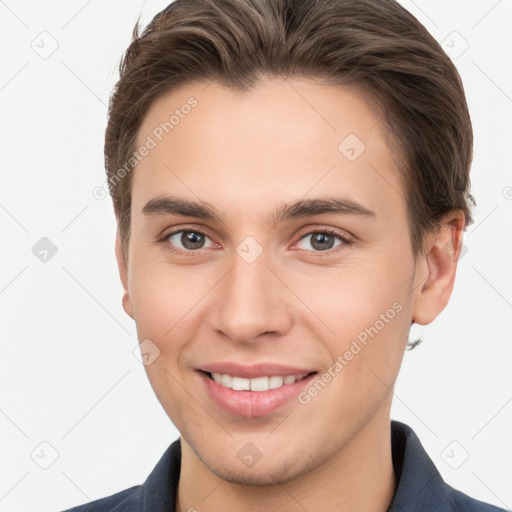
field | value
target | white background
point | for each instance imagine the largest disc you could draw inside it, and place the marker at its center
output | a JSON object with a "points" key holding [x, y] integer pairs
{"points": [[68, 373]]}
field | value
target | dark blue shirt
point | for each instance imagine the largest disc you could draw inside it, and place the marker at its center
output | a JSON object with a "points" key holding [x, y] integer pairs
{"points": [[420, 487]]}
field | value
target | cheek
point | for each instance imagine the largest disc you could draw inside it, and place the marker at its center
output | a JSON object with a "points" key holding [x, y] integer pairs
{"points": [[163, 314], [367, 308], [168, 304], [351, 300], [164, 297]]}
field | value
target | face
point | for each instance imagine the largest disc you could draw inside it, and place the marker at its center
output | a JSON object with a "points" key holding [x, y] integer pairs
{"points": [[295, 260]]}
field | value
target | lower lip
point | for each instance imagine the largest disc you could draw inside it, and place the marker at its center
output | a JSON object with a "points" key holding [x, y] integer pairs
{"points": [[252, 404]]}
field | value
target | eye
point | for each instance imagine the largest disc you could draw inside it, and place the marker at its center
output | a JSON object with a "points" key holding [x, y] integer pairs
{"points": [[323, 240], [187, 240]]}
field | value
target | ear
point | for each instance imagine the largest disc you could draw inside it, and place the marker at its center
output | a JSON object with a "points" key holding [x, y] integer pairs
{"points": [[436, 268], [123, 274]]}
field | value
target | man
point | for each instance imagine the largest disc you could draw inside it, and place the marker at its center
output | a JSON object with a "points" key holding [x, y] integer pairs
{"points": [[291, 184]]}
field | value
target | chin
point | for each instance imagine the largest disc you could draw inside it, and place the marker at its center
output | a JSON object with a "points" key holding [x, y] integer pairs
{"points": [[263, 473], [260, 477]]}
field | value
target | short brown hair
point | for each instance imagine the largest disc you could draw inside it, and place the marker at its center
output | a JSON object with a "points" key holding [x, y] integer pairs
{"points": [[377, 47]]}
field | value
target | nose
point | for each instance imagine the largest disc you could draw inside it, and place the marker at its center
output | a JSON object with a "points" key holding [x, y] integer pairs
{"points": [[250, 301]]}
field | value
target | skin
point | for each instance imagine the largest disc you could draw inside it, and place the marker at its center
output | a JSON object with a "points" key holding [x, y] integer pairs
{"points": [[246, 154]]}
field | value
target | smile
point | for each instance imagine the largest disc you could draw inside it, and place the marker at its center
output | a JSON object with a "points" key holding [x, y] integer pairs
{"points": [[264, 383], [255, 396]]}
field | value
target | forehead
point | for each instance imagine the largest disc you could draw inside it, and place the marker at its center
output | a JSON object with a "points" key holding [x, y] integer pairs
{"points": [[282, 140]]}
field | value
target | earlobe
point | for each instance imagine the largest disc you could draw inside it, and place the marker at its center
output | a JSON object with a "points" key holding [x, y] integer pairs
{"points": [[438, 267], [123, 274]]}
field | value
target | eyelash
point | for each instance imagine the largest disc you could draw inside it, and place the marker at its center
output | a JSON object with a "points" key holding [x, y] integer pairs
{"points": [[345, 240]]}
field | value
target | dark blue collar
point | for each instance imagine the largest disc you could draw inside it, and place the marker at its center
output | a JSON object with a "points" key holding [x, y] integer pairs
{"points": [[420, 487]]}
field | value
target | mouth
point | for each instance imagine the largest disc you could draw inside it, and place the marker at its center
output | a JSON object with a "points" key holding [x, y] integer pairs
{"points": [[258, 384], [254, 397]]}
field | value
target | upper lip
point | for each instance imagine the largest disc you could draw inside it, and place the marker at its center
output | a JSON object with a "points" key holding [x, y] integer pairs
{"points": [[253, 371]]}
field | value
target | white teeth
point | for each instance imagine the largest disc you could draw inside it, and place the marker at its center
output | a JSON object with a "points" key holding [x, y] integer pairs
{"points": [[259, 384], [240, 384], [256, 384], [275, 382], [225, 380]]}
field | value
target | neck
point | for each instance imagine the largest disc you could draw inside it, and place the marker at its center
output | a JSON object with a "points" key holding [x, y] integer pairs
{"points": [[359, 477]]}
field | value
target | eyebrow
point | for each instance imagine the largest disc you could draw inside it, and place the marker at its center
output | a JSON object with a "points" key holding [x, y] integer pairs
{"points": [[170, 205]]}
